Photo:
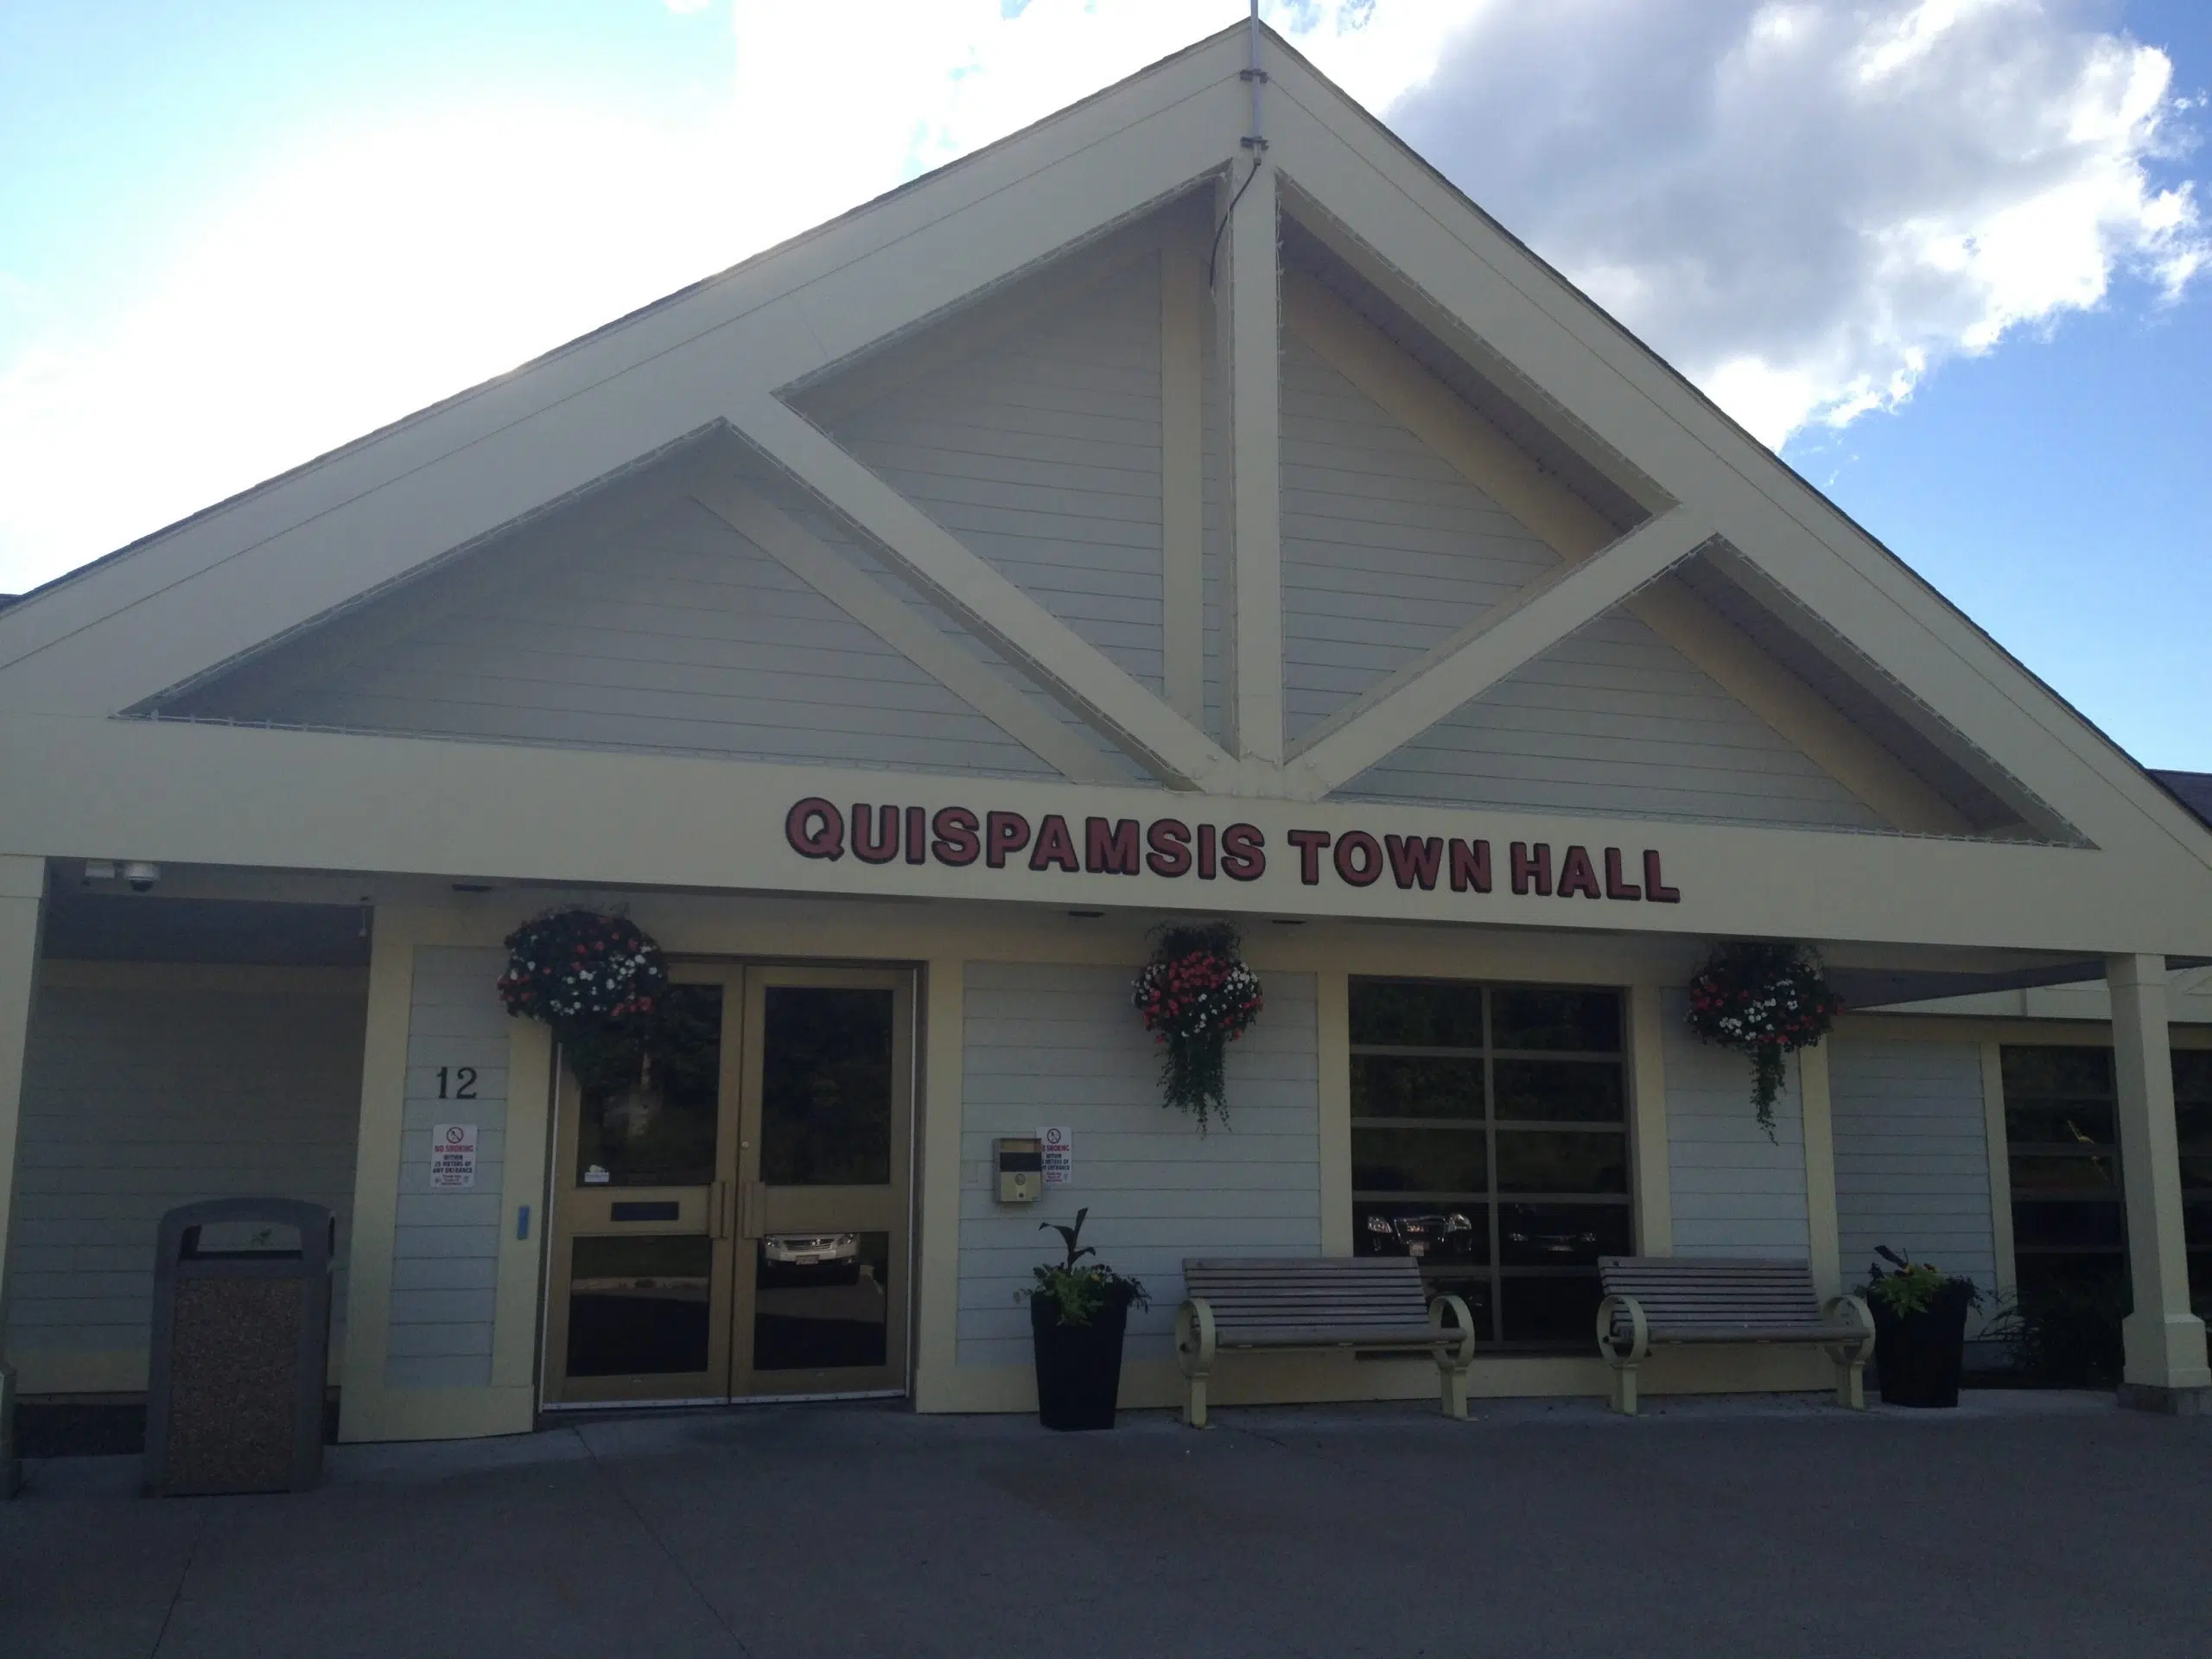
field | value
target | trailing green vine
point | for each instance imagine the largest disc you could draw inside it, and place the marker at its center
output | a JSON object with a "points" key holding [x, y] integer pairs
{"points": [[1195, 997], [1766, 1001]]}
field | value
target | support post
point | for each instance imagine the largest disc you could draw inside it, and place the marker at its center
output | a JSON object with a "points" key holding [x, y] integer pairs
{"points": [[1647, 1043], [2000, 1172], [376, 1177], [23, 903], [2166, 1369], [1822, 1228], [1252, 340], [1332, 1052], [938, 1117]]}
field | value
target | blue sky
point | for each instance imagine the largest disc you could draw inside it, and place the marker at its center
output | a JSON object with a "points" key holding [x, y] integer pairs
{"points": [[2055, 489], [235, 233]]}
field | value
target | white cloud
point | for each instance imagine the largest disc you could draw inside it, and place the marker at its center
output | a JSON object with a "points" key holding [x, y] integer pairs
{"points": [[345, 291], [1805, 205]]}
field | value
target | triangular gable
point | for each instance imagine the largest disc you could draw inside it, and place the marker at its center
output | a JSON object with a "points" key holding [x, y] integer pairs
{"points": [[1615, 721], [1672, 479], [1040, 447], [652, 623]]}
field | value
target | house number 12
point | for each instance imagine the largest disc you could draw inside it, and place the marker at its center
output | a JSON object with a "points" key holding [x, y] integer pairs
{"points": [[463, 1082]]}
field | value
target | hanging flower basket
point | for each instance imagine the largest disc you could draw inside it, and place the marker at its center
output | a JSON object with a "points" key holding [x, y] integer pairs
{"points": [[1195, 997], [576, 969], [1767, 1001]]}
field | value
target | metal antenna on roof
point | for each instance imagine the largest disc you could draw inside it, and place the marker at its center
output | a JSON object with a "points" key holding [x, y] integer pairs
{"points": [[1254, 141], [1256, 76]]}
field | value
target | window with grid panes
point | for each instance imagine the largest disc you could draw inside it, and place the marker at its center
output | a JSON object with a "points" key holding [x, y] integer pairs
{"points": [[2070, 1218], [2062, 1140], [1490, 1141]]}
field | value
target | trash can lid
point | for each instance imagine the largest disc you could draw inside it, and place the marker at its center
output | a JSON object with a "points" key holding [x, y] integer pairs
{"points": [[316, 1226]]}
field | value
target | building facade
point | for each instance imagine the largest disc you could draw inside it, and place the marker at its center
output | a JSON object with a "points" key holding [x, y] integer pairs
{"points": [[1127, 523]]}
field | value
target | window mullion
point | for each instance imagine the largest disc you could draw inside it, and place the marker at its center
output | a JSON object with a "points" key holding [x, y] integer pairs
{"points": [[1490, 1176]]}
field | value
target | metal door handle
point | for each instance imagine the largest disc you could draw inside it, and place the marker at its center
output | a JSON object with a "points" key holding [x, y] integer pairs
{"points": [[718, 1209]]}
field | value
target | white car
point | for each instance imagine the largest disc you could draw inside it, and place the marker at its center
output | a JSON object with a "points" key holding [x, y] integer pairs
{"points": [[811, 1250]]}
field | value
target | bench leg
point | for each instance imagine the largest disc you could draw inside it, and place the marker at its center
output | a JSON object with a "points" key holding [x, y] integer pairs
{"points": [[1194, 1399], [1851, 1384], [1625, 1389], [1452, 1379], [1194, 1351]]}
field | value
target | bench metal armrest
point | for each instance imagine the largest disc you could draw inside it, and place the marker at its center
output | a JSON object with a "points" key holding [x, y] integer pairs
{"points": [[1639, 1329], [1461, 1352], [1861, 1315], [1194, 1337]]}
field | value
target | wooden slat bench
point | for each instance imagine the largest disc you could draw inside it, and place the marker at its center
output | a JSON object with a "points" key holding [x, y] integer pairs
{"points": [[1661, 1299], [1375, 1303]]}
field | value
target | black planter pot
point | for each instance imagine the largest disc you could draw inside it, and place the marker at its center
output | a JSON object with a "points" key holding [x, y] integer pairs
{"points": [[1078, 1366], [1918, 1356]]}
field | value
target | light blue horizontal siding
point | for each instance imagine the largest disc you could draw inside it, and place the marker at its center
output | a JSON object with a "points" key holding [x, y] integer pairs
{"points": [[1735, 1192], [446, 1244], [1912, 1156], [1041, 453], [1388, 551], [1061, 1045], [136, 1100], [681, 636]]}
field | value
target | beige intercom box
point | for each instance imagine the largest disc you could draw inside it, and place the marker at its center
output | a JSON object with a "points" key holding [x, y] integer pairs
{"points": [[1021, 1169]]}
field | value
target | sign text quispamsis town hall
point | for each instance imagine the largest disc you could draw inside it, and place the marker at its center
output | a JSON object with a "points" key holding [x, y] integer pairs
{"points": [[1172, 848]]}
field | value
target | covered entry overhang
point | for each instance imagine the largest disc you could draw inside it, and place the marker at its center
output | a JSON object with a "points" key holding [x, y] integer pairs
{"points": [[715, 862]]}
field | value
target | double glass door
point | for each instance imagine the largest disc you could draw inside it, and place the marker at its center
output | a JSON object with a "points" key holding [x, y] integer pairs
{"points": [[730, 1205]]}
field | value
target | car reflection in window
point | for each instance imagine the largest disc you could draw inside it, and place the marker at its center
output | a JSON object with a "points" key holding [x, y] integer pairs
{"points": [[1446, 1236], [811, 1258], [1566, 1245]]}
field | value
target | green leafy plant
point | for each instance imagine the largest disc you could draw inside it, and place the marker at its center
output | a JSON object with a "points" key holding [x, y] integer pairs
{"points": [[1764, 1000], [2066, 1334], [1913, 1286], [1080, 1292], [1196, 996]]}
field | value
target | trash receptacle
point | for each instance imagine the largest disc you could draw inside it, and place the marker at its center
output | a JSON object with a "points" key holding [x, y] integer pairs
{"points": [[241, 1347]]}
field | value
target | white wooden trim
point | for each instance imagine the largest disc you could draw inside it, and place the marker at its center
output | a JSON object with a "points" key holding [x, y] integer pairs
{"points": [[1182, 478], [1655, 1206], [524, 1161], [375, 1180], [2165, 1338], [1509, 635], [2000, 1172], [290, 800], [1252, 587], [898, 624], [1572, 528], [1332, 1059], [22, 902], [1032, 638], [1823, 1226], [942, 1110]]}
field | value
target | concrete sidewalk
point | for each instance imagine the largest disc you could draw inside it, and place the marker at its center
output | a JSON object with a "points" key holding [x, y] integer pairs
{"points": [[2020, 1524]]}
